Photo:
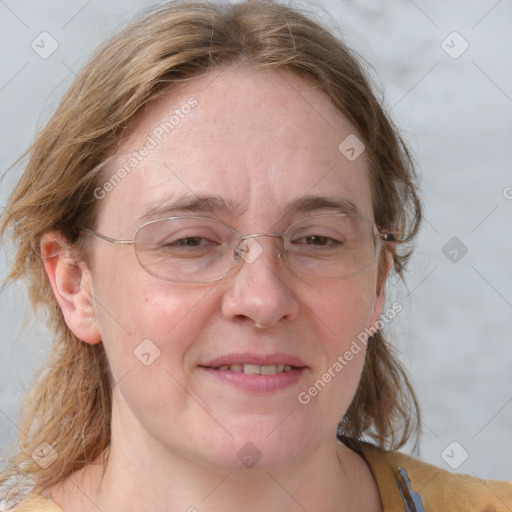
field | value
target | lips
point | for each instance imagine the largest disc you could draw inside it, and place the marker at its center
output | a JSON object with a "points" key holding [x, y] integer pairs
{"points": [[256, 373]]}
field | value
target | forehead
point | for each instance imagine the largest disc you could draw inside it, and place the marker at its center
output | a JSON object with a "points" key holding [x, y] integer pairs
{"points": [[259, 139]]}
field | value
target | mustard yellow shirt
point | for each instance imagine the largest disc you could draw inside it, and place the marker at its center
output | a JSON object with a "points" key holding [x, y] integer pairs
{"points": [[405, 484]]}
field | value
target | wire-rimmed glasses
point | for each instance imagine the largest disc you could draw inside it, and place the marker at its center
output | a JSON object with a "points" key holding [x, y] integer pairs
{"points": [[193, 249]]}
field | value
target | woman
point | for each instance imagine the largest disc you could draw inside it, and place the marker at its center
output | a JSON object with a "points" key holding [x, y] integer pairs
{"points": [[210, 218]]}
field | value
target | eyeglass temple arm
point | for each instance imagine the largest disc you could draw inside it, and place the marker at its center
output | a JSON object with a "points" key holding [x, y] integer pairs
{"points": [[108, 239]]}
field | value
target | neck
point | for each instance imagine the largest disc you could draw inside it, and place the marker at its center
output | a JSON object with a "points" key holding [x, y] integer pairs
{"points": [[328, 481], [145, 476]]}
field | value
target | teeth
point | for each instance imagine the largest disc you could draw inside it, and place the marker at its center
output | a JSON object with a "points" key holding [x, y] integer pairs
{"points": [[268, 369], [256, 369], [252, 369]]}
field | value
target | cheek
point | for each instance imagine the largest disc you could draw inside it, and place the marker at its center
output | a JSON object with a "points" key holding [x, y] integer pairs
{"points": [[345, 308], [149, 332], [138, 314]]}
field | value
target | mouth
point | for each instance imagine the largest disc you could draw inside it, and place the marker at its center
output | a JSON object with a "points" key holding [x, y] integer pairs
{"points": [[256, 369], [257, 373]]}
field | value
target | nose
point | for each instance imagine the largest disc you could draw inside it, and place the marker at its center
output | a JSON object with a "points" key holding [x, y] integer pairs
{"points": [[257, 292]]}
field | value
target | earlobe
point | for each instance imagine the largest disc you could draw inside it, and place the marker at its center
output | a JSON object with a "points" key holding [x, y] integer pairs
{"points": [[71, 284]]}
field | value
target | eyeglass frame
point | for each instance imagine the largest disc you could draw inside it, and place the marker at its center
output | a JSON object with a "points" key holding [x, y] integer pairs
{"points": [[387, 236]]}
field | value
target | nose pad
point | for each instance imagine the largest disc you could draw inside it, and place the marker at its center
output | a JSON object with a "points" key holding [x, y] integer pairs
{"points": [[250, 249]]}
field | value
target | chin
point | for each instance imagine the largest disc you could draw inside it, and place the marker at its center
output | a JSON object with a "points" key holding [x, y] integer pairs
{"points": [[259, 444]]}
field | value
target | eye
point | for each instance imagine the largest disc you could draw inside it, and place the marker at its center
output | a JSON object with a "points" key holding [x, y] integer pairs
{"points": [[192, 239], [189, 241], [319, 240]]}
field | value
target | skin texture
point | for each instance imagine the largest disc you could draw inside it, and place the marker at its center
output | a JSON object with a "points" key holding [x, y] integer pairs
{"points": [[259, 140]]}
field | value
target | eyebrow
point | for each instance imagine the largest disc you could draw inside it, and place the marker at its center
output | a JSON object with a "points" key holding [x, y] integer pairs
{"points": [[215, 203]]}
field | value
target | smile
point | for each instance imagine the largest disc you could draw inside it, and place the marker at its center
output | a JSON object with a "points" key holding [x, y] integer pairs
{"points": [[256, 373], [256, 369]]}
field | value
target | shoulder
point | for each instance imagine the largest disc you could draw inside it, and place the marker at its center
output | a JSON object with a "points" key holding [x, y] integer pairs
{"points": [[435, 488], [36, 503]]}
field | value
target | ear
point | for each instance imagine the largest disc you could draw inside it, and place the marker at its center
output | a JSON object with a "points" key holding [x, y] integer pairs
{"points": [[72, 286], [385, 267]]}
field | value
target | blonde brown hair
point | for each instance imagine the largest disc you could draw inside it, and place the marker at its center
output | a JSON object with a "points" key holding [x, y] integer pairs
{"points": [[69, 404]]}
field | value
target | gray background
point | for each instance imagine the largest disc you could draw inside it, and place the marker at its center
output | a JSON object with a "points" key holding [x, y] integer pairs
{"points": [[454, 331]]}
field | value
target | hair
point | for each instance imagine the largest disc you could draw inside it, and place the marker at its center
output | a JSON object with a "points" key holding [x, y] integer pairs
{"points": [[69, 403]]}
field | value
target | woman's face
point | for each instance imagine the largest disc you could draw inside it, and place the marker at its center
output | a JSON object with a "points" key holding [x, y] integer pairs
{"points": [[259, 141]]}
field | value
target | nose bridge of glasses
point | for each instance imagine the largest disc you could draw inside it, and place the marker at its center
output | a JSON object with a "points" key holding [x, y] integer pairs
{"points": [[249, 249], [254, 235]]}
